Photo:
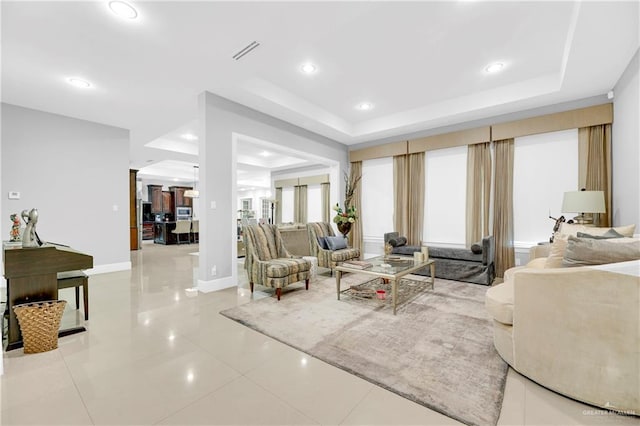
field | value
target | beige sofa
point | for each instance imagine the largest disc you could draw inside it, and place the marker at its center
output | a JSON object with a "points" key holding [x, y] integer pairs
{"points": [[295, 238], [574, 330]]}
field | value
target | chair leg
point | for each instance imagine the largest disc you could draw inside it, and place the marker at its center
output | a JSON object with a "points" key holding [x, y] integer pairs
{"points": [[306, 284], [251, 286], [278, 292], [85, 296]]}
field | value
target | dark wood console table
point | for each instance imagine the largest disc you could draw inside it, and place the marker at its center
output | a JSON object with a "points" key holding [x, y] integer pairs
{"points": [[31, 275]]}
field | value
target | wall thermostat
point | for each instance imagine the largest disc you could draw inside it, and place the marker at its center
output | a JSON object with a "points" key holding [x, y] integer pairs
{"points": [[14, 195]]}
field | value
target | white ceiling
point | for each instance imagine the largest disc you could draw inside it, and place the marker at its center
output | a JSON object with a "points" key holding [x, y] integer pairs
{"points": [[255, 159], [420, 63]]}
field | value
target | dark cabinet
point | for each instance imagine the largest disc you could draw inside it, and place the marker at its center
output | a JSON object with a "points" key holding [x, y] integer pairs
{"points": [[180, 199], [167, 202], [162, 233], [147, 231], [155, 197]]}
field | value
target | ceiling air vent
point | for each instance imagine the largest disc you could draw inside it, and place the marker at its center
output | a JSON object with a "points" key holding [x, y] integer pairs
{"points": [[245, 50]]}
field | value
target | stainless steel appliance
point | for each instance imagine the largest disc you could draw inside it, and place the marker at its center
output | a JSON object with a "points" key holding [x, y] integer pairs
{"points": [[183, 213]]}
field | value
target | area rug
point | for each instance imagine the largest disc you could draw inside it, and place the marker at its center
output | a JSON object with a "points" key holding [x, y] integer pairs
{"points": [[437, 351]]}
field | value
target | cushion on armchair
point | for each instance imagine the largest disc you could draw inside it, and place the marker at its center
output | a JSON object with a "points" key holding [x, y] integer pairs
{"points": [[336, 243], [322, 242]]}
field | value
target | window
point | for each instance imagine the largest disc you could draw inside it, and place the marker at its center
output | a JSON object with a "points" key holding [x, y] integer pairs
{"points": [[545, 166], [314, 203], [445, 195], [377, 197], [287, 205], [265, 212]]}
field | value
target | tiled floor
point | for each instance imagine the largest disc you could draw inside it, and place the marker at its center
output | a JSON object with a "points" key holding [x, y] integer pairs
{"points": [[156, 354]]}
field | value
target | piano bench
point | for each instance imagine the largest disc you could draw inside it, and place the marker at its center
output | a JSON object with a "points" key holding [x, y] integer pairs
{"points": [[76, 279]]}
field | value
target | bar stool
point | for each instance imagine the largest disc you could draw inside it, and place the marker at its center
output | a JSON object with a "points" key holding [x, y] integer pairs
{"points": [[76, 279], [195, 230]]}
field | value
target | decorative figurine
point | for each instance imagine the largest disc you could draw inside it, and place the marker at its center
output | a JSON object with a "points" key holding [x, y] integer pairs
{"points": [[15, 228], [30, 237]]}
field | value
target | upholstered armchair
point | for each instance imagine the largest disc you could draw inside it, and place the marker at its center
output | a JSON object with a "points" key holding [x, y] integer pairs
{"points": [[327, 258], [268, 262]]}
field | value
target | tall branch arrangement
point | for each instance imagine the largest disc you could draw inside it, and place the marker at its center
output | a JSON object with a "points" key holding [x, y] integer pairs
{"points": [[350, 185]]}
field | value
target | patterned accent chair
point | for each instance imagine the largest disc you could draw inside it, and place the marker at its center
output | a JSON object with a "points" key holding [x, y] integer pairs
{"points": [[268, 262], [327, 258]]}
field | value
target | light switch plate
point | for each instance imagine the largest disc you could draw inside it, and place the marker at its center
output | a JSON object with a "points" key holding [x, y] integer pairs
{"points": [[14, 195]]}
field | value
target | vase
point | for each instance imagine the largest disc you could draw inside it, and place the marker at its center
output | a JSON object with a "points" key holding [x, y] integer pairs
{"points": [[344, 228]]}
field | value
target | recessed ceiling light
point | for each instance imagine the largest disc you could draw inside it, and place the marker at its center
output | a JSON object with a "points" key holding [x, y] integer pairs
{"points": [[265, 153], [308, 68], [493, 68], [123, 9], [78, 82], [364, 106], [189, 137]]}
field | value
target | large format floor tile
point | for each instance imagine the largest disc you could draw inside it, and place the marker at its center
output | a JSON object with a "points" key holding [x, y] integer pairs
{"points": [[155, 352], [310, 385]]}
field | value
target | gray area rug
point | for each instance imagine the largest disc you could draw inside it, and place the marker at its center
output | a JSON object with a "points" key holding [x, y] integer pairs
{"points": [[437, 351]]}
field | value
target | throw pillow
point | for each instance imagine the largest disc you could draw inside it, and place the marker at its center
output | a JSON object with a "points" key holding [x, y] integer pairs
{"points": [[573, 229], [322, 242], [476, 248], [556, 251], [336, 243], [589, 251], [398, 241], [611, 233]]}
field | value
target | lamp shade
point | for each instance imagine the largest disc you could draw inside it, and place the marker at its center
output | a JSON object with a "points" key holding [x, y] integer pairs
{"points": [[192, 193], [583, 202]]}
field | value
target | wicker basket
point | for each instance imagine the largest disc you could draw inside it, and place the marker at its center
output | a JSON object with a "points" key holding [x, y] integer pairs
{"points": [[39, 323]]}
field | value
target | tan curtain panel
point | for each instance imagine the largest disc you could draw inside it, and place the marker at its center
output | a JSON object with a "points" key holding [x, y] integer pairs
{"points": [[278, 218], [400, 195], [503, 206], [296, 204], [595, 166], [478, 192], [355, 236], [408, 196], [325, 193], [415, 200], [302, 204]]}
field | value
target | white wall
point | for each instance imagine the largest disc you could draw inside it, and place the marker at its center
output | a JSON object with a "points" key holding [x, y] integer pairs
{"points": [[445, 196], [545, 166], [76, 173], [222, 123], [626, 147]]}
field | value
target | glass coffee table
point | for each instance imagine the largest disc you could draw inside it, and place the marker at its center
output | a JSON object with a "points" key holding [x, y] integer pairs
{"points": [[392, 268]]}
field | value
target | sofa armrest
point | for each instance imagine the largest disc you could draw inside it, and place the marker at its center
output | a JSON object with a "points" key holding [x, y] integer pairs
{"points": [[577, 330], [541, 250], [488, 250]]}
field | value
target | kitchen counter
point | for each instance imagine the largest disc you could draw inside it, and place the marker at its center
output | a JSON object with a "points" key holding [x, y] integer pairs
{"points": [[162, 233]]}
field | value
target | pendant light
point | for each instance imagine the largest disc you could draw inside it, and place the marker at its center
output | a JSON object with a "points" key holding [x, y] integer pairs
{"points": [[193, 193]]}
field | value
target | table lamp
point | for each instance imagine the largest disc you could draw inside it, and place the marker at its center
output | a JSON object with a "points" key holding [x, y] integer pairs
{"points": [[583, 202]]}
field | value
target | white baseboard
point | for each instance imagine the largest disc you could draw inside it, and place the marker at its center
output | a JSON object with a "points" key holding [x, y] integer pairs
{"points": [[109, 267], [215, 285]]}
